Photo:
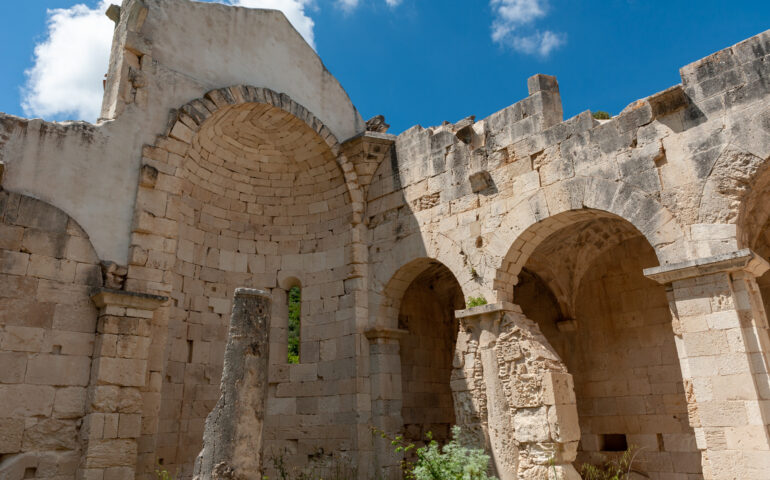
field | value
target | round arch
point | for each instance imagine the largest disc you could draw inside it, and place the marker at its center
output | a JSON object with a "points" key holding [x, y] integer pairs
{"points": [[552, 208], [385, 312], [246, 188], [190, 117]]}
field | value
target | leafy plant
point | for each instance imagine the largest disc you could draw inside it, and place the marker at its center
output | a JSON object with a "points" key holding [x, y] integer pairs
{"points": [[453, 461], [163, 474], [295, 300], [601, 115], [619, 468], [476, 301]]}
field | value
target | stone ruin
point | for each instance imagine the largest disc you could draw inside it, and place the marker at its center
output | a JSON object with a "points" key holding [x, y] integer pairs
{"points": [[623, 262]]}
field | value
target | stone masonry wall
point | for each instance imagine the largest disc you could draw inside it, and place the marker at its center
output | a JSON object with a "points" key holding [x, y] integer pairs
{"points": [[47, 329], [243, 186]]}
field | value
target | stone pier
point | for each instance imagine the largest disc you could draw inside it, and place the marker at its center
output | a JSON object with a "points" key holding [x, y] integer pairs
{"points": [[232, 441]]}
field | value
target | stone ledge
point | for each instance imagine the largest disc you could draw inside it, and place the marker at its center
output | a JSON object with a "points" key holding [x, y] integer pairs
{"points": [[377, 136], [103, 297], [743, 259], [381, 332], [250, 292], [488, 308]]}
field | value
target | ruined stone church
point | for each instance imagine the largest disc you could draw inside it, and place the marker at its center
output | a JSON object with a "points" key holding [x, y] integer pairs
{"points": [[621, 267]]}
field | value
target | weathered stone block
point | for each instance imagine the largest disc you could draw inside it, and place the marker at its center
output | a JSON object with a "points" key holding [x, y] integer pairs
{"points": [[110, 453], [531, 425], [51, 434], [63, 370], [11, 432], [126, 372]]}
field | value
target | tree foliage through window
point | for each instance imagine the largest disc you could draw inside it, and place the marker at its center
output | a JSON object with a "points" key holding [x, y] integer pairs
{"points": [[294, 311]]}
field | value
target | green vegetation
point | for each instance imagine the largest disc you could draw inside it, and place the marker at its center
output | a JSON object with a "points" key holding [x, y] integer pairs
{"points": [[295, 297], [616, 469], [476, 301], [163, 474], [453, 461], [601, 115]]}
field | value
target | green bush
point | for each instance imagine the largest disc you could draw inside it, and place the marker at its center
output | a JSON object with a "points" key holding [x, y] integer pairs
{"points": [[601, 115], [616, 469], [453, 461], [163, 474], [476, 301]]}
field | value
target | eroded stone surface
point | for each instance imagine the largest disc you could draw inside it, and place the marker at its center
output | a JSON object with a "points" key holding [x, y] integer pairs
{"points": [[232, 441], [215, 172]]}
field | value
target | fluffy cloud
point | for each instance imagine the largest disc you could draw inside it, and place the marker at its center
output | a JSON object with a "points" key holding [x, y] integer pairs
{"points": [[347, 5], [65, 80], [294, 11], [350, 5], [512, 27]]}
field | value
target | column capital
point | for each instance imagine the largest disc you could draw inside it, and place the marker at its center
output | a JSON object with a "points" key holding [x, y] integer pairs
{"points": [[108, 297], [741, 260], [377, 333], [250, 292]]}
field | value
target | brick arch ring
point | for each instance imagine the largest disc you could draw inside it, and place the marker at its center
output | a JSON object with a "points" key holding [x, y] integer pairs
{"points": [[155, 232], [187, 121], [532, 220]]}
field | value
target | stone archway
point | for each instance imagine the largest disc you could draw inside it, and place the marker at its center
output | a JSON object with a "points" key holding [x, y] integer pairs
{"points": [[412, 353], [247, 188], [531, 220], [510, 392], [580, 278]]}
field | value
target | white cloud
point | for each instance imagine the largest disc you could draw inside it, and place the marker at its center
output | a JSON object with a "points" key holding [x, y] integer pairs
{"points": [[350, 5], [294, 11], [65, 80], [347, 5], [538, 43], [512, 27]]}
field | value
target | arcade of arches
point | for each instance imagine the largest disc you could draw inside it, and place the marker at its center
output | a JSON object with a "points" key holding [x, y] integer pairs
{"points": [[625, 262]]}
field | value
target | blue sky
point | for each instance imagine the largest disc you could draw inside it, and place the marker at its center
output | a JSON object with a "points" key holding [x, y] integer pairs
{"points": [[426, 61]]}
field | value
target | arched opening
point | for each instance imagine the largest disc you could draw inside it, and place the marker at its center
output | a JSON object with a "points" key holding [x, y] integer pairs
{"points": [[754, 225], [583, 284], [426, 352], [294, 335], [262, 203]]}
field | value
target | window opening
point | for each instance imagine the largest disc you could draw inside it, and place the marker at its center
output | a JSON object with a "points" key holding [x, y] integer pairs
{"points": [[295, 297]]}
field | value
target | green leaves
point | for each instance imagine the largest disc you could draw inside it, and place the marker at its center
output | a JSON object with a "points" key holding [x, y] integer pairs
{"points": [[476, 301], [453, 461], [295, 300]]}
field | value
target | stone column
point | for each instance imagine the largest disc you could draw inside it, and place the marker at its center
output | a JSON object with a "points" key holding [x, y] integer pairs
{"points": [[722, 342], [520, 390], [112, 424], [232, 439], [385, 378]]}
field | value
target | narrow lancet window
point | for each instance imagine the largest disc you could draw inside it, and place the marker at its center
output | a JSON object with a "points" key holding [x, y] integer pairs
{"points": [[295, 297]]}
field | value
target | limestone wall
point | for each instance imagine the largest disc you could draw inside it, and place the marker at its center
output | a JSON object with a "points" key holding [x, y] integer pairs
{"points": [[47, 331], [157, 66], [202, 181]]}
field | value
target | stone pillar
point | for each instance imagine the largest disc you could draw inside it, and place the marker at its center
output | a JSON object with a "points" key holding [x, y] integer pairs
{"points": [[112, 424], [519, 389], [722, 342], [232, 439], [385, 378]]}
